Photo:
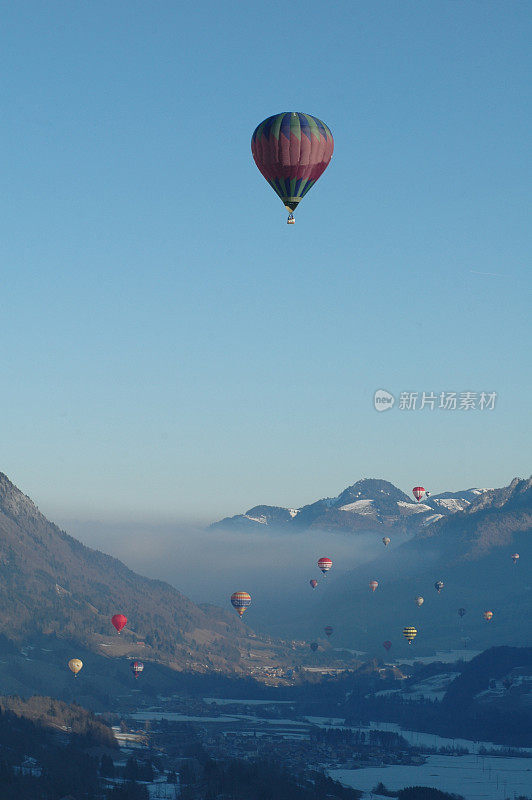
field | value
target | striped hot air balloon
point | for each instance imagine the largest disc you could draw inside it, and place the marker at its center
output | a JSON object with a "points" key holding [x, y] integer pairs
{"points": [[136, 668], [410, 633], [292, 150], [488, 616], [329, 630], [324, 564], [373, 585], [418, 492], [240, 601]]}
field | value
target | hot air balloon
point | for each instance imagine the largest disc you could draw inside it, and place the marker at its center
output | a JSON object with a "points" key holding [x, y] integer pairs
{"points": [[329, 630], [313, 646], [136, 668], [488, 616], [119, 621], [373, 585], [439, 586], [419, 601], [387, 645], [418, 492], [409, 633], [292, 150], [462, 611], [515, 557], [240, 601], [324, 564], [74, 665], [313, 583], [386, 540]]}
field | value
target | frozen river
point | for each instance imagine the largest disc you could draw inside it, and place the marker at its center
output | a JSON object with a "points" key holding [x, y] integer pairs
{"points": [[474, 777]]}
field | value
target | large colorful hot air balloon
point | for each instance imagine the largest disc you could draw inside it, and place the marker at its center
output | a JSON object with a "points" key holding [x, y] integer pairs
{"points": [[240, 601], [439, 586], [488, 616], [313, 583], [324, 564], [462, 612], [386, 540], [418, 492], [373, 585], [74, 665], [136, 668], [329, 630], [313, 646], [386, 645], [515, 557], [409, 633], [419, 601], [119, 621], [292, 150]]}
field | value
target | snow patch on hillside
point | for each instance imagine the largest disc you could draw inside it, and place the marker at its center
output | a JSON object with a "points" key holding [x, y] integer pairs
{"points": [[359, 507]]}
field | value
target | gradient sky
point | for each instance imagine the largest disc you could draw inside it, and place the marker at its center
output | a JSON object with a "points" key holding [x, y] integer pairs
{"points": [[170, 347]]}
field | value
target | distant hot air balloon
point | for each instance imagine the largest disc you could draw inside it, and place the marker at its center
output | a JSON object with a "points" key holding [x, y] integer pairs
{"points": [[418, 492], [515, 557], [462, 611], [313, 583], [136, 668], [119, 621], [386, 540], [409, 633], [324, 564], [419, 601], [240, 601], [373, 585], [465, 640], [386, 645], [74, 665], [313, 646], [329, 630], [439, 586], [488, 616], [292, 150]]}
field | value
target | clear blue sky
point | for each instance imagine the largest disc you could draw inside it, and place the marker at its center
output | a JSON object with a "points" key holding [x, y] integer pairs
{"points": [[170, 347]]}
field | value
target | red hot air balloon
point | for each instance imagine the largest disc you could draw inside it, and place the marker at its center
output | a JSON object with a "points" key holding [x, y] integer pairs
{"points": [[324, 564], [329, 630], [313, 583], [387, 645], [373, 585], [119, 621], [136, 668], [418, 492], [292, 150]]}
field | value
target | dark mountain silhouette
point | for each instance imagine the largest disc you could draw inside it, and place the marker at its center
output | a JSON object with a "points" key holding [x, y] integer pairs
{"points": [[53, 586]]}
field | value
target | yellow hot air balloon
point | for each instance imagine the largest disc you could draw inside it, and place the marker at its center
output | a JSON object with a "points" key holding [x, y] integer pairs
{"points": [[419, 601], [74, 665], [410, 633]]}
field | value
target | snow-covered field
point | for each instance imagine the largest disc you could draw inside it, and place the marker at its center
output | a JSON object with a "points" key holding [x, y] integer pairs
{"points": [[473, 777]]}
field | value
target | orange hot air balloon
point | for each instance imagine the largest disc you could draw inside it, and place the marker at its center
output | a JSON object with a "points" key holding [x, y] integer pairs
{"points": [[488, 616], [324, 564], [313, 583], [373, 585], [119, 621], [240, 601]]}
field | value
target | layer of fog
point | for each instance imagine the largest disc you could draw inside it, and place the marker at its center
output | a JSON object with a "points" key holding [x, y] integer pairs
{"points": [[207, 565]]}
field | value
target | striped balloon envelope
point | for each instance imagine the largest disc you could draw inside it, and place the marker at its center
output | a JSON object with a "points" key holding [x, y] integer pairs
{"points": [[292, 150], [324, 564], [488, 616], [410, 633], [373, 585], [136, 668], [329, 630], [240, 601], [418, 492]]}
